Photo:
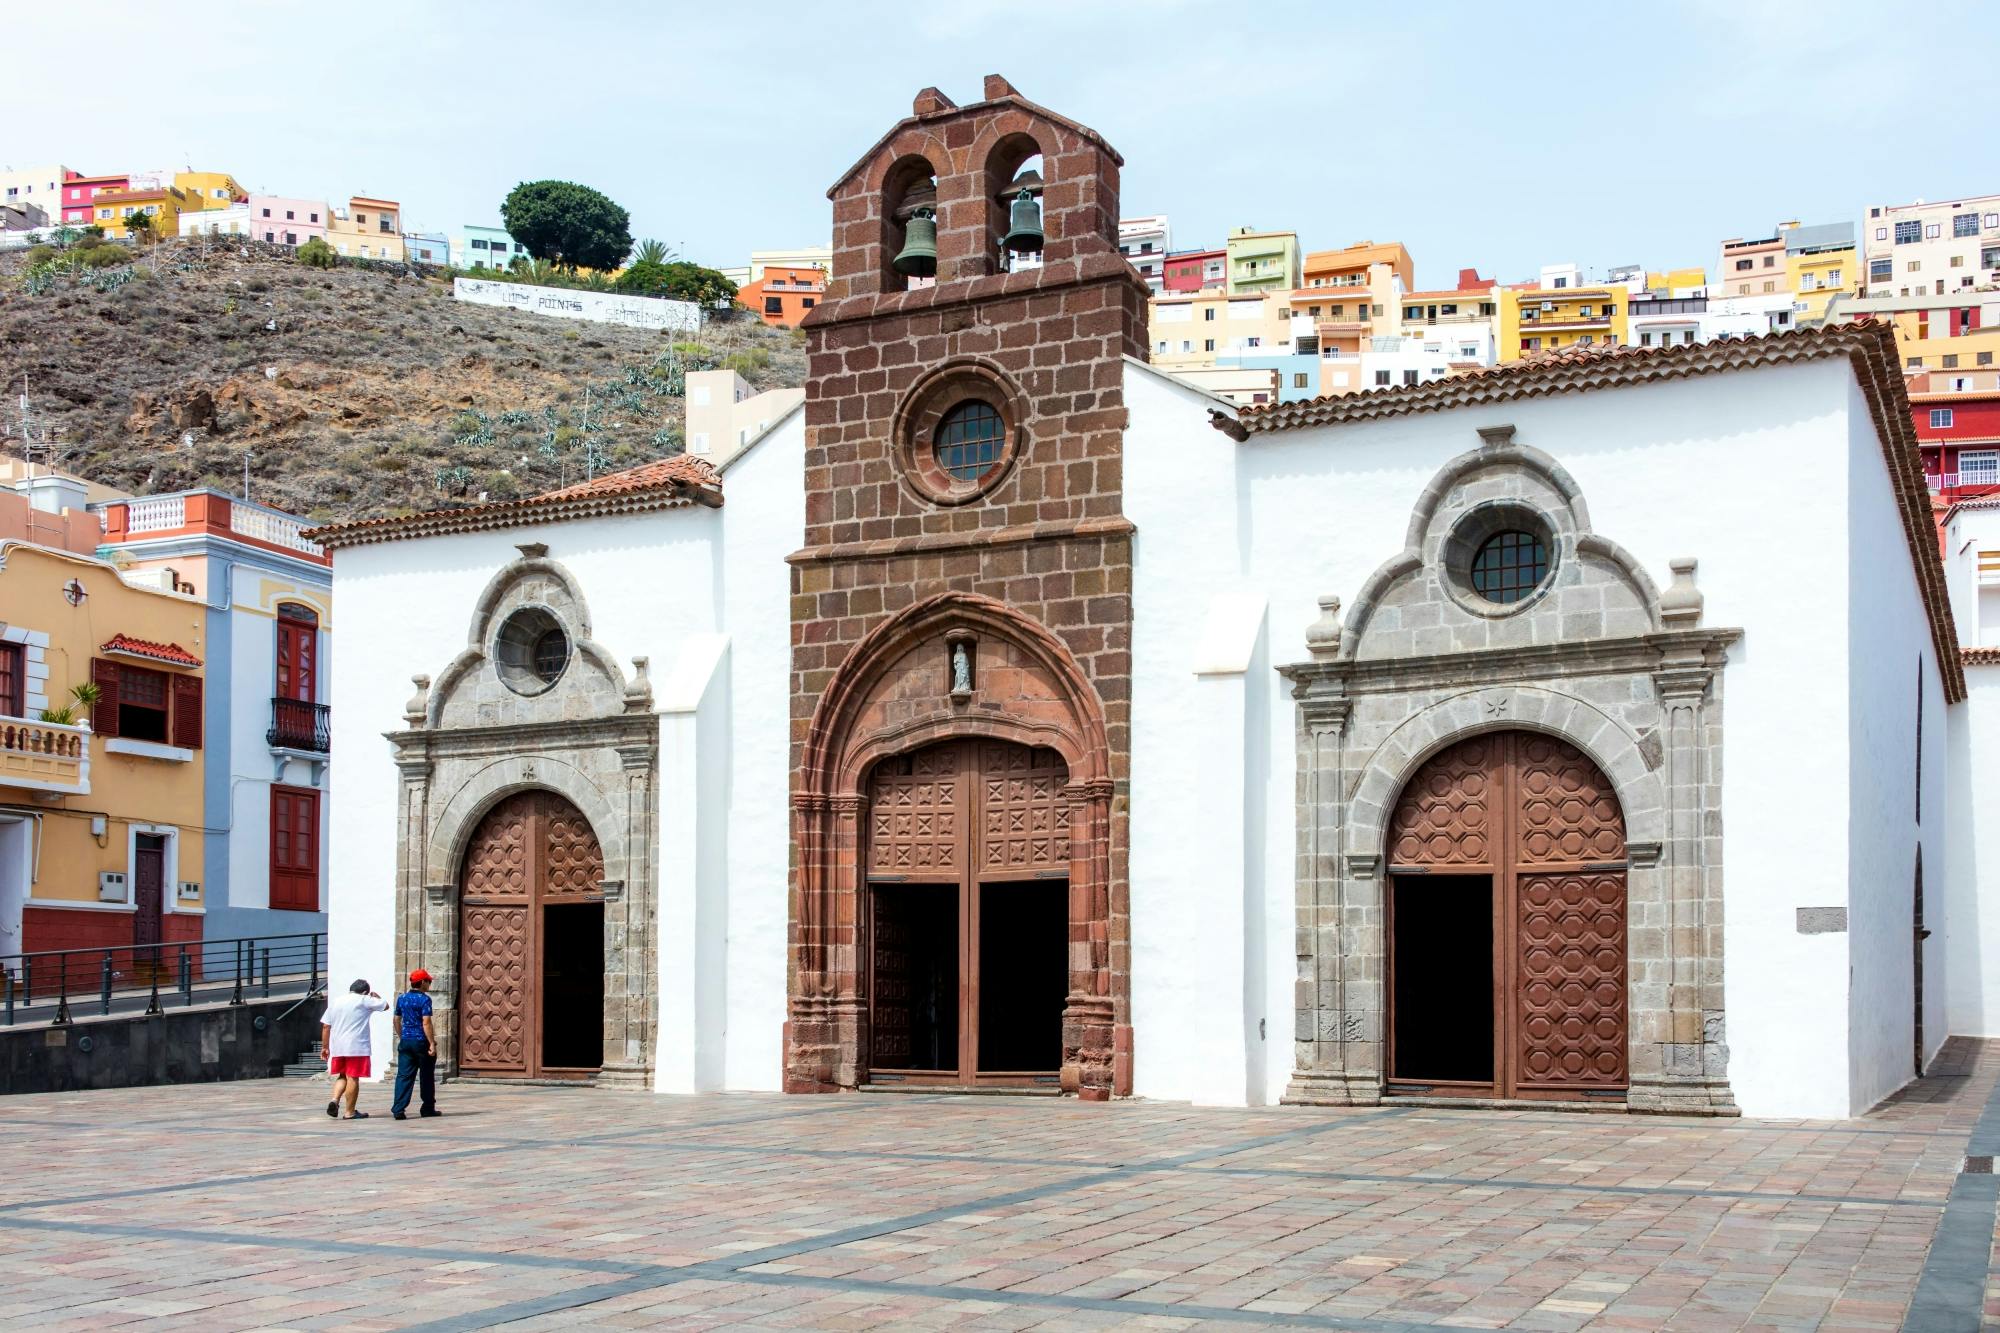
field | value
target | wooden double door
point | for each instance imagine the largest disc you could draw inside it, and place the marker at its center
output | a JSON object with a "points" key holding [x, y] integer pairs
{"points": [[531, 943], [967, 920], [1506, 925]]}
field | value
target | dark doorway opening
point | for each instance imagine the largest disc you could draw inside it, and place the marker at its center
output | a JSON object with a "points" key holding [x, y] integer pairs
{"points": [[915, 977], [573, 986], [1023, 975], [1441, 974]]}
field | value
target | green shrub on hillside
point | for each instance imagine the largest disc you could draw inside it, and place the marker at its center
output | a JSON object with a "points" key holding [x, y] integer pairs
{"points": [[316, 253]]}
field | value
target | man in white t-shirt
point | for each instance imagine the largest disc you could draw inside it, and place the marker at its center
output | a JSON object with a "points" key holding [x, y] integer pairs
{"points": [[343, 1035]]}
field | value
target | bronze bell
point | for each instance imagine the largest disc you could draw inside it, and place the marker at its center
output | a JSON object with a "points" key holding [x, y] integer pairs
{"points": [[918, 257], [1024, 225]]}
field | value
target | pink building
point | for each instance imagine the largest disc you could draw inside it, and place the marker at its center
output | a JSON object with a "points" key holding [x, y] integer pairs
{"points": [[284, 221], [78, 191]]}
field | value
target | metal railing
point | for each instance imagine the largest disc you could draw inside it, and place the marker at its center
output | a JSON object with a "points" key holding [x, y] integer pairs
{"points": [[57, 986], [299, 725]]}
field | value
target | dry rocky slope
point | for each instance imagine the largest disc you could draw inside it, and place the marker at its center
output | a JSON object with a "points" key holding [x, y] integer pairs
{"points": [[354, 392]]}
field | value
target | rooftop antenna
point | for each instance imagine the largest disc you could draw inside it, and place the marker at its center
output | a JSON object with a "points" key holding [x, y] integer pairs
{"points": [[36, 449]]}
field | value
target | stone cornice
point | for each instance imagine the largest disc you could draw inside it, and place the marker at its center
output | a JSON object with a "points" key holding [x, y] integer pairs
{"points": [[1082, 271], [622, 731], [1319, 682], [959, 541]]}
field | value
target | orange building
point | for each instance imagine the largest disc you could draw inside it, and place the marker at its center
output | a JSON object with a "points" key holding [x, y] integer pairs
{"points": [[783, 295], [1352, 295]]}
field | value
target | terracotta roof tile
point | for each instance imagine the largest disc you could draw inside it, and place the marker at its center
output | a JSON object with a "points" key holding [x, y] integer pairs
{"points": [[1982, 656], [159, 652], [662, 472], [667, 483], [1869, 345]]}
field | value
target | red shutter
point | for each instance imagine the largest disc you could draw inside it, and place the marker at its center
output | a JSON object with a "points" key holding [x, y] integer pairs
{"points": [[13, 680], [104, 714], [294, 849], [186, 721]]}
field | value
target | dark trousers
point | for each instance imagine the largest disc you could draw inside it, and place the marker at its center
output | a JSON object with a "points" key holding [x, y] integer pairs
{"points": [[414, 1058]]}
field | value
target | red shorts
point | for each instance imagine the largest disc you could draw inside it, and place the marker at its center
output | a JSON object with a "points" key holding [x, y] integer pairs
{"points": [[348, 1066]]}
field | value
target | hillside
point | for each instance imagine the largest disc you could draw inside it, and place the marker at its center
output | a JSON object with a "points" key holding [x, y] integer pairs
{"points": [[353, 392]]}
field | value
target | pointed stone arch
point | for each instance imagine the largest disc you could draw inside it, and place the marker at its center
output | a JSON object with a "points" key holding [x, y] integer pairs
{"points": [[894, 694]]}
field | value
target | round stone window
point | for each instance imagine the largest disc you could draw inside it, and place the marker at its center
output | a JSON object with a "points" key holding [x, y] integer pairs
{"points": [[970, 441], [1500, 558], [1509, 565], [532, 650], [959, 431]]}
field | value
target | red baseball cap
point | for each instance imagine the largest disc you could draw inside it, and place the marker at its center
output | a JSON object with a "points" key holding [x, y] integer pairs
{"points": [[418, 976]]}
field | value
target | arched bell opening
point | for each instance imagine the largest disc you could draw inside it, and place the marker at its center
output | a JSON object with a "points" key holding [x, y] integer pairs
{"points": [[909, 224], [1506, 925], [1016, 179]]}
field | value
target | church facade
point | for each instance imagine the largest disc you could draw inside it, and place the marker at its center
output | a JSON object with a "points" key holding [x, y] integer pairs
{"points": [[1017, 716]]}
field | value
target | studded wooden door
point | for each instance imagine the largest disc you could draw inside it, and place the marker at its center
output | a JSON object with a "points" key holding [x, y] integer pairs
{"points": [[971, 818], [1542, 823], [531, 849]]}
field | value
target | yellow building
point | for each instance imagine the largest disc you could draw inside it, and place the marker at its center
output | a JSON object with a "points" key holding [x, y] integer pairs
{"points": [[1678, 281], [208, 189], [101, 819], [1550, 318], [367, 229], [1954, 337], [1820, 264], [1191, 329], [113, 210]]}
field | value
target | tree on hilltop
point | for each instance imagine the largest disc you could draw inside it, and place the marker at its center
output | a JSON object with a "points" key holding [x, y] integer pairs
{"points": [[570, 225], [678, 280]]}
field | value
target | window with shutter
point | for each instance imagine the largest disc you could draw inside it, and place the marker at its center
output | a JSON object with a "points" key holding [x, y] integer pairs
{"points": [[104, 714], [13, 680], [187, 712], [294, 849]]}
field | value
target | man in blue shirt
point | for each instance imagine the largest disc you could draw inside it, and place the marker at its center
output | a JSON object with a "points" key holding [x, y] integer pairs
{"points": [[416, 1047]]}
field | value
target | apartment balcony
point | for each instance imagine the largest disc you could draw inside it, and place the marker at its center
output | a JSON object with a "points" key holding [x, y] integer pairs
{"points": [[1329, 326], [299, 725], [1558, 322], [1432, 321], [1675, 305], [45, 756]]}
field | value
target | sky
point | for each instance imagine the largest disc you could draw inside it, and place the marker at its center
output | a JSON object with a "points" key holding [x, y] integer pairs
{"points": [[1499, 136]]}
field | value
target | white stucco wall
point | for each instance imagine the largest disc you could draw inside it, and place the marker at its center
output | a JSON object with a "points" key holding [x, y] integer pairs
{"points": [[658, 585], [1970, 928], [1672, 469], [1890, 657]]}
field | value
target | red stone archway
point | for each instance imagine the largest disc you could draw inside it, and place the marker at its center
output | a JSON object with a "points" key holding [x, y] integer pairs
{"points": [[895, 694]]}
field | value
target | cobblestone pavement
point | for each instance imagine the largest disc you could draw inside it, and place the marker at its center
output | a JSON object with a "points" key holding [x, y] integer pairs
{"points": [[241, 1206]]}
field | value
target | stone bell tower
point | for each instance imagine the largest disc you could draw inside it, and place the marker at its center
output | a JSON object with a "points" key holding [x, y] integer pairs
{"points": [[961, 606]]}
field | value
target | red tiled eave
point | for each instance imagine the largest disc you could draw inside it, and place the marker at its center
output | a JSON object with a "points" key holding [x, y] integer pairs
{"points": [[668, 483], [128, 646], [1983, 656], [1869, 346]]}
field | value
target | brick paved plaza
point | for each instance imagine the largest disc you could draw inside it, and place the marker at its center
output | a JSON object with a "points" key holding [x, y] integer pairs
{"points": [[242, 1206]]}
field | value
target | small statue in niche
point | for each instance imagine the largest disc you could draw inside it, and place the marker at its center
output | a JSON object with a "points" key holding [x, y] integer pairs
{"points": [[961, 669]]}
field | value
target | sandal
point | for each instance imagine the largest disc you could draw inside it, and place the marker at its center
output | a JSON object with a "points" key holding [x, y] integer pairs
{"points": [[358, 1115]]}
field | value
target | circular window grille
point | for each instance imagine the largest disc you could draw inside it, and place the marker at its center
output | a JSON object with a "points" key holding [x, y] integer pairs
{"points": [[970, 441], [551, 655], [531, 651], [1509, 565]]}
